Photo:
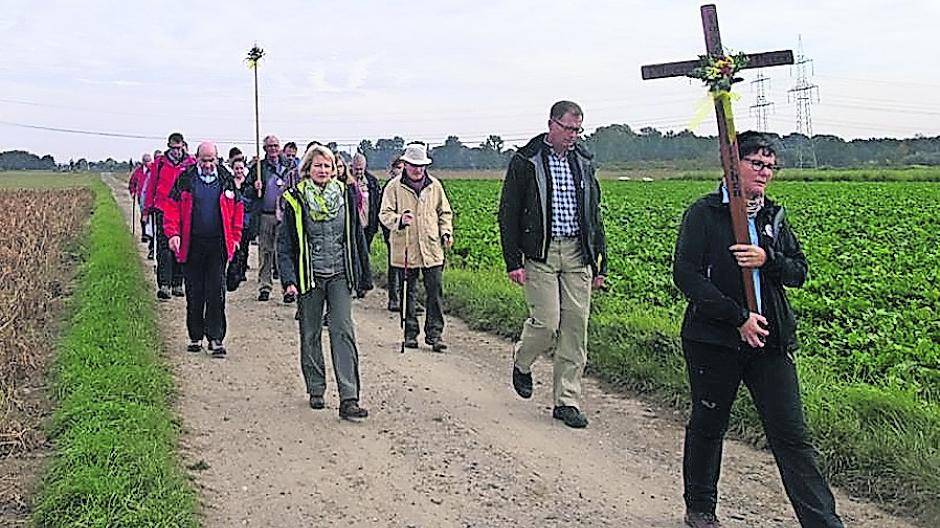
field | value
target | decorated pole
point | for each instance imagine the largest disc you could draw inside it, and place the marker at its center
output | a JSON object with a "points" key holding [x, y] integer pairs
{"points": [[254, 56], [717, 69]]}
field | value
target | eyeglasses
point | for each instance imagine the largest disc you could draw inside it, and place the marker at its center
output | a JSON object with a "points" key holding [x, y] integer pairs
{"points": [[272, 146], [759, 165], [566, 128]]}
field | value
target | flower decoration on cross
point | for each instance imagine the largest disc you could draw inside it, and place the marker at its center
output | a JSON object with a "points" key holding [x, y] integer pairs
{"points": [[718, 73]]}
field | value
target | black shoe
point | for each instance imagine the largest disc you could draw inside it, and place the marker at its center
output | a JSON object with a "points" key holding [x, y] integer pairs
{"points": [[178, 291], [522, 382], [419, 310], [289, 298], [411, 342], [571, 416], [695, 519], [350, 410], [216, 349], [264, 295], [163, 293], [316, 402], [194, 346], [394, 307], [150, 255], [436, 344], [360, 294]]}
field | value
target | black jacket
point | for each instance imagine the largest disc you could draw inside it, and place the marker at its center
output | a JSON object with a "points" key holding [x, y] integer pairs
{"points": [[375, 203], [525, 215], [295, 267], [708, 275]]}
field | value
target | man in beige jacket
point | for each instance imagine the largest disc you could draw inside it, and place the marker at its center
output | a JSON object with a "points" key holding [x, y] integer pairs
{"points": [[417, 213]]}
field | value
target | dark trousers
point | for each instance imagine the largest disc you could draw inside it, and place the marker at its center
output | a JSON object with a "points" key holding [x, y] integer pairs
{"points": [[715, 372], [205, 295], [235, 273], [169, 271], [394, 279], [434, 310]]}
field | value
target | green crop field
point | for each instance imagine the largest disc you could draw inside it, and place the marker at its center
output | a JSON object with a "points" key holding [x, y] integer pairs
{"points": [[869, 314]]}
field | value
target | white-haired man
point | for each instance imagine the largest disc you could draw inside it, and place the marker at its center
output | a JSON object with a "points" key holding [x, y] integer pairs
{"points": [[419, 218]]}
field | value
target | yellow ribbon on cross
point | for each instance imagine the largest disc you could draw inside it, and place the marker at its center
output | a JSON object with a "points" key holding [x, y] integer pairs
{"points": [[724, 97]]}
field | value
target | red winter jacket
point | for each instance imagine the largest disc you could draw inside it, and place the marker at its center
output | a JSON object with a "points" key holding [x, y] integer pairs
{"points": [[136, 181], [178, 212], [162, 177]]}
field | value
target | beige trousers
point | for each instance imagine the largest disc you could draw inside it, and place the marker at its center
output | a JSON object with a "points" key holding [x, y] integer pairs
{"points": [[558, 293], [267, 239]]}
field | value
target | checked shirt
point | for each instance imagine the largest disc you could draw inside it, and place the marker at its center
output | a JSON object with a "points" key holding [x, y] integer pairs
{"points": [[564, 198]]}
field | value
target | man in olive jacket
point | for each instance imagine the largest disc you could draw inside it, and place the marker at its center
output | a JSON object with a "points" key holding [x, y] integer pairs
{"points": [[725, 343], [553, 243]]}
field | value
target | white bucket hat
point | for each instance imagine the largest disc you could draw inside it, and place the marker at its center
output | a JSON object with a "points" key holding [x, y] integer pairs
{"points": [[416, 154]]}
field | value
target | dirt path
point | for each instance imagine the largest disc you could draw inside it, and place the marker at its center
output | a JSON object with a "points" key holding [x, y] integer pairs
{"points": [[448, 443]]}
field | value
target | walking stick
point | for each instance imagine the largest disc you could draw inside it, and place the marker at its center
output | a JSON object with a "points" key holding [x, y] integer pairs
{"points": [[404, 292], [133, 216], [254, 55]]}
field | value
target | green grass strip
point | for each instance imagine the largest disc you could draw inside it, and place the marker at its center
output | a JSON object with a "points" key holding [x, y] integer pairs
{"points": [[113, 432]]}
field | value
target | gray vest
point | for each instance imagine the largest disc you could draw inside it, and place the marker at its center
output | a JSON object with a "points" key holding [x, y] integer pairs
{"points": [[327, 243]]}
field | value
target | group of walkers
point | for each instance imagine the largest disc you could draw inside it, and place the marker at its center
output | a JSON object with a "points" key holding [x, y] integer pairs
{"points": [[314, 219]]}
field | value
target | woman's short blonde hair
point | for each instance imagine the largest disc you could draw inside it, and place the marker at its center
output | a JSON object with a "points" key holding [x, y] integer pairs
{"points": [[316, 150]]}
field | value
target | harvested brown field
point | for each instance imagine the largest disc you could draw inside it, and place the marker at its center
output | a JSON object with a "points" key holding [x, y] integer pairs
{"points": [[37, 260]]}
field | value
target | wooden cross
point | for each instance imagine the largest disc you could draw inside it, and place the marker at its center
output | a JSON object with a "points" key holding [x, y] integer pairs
{"points": [[726, 133]]}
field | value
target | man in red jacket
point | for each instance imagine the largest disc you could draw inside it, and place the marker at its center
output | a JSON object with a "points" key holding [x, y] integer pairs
{"points": [[166, 169], [203, 217]]}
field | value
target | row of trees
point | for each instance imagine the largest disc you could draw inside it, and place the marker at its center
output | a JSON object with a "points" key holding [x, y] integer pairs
{"points": [[612, 144], [620, 144], [22, 160]]}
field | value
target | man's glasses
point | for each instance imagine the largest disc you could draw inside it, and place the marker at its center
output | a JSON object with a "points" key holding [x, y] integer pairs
{"points": [[759, 165], [271, 146], [566, 128]]}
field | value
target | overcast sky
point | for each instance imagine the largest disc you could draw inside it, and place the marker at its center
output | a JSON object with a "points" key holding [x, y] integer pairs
{"points": [[350, 70]]}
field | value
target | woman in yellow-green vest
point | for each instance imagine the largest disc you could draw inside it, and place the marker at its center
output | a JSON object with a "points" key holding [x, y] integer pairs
{"points": [[322, 259]]}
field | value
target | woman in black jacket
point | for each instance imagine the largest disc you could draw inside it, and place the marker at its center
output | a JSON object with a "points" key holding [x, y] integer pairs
{"points": [[725, 343]]}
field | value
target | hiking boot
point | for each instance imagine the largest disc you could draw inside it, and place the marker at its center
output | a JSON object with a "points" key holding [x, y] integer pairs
{"points": [[163, 293], [289, 298], [411, 342], [264, 295], [216, 349], [436, 344], [194, 346], [695, 519], [570, 415], [178, 291], [350, 410], [522, 382], [316, 402]]}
